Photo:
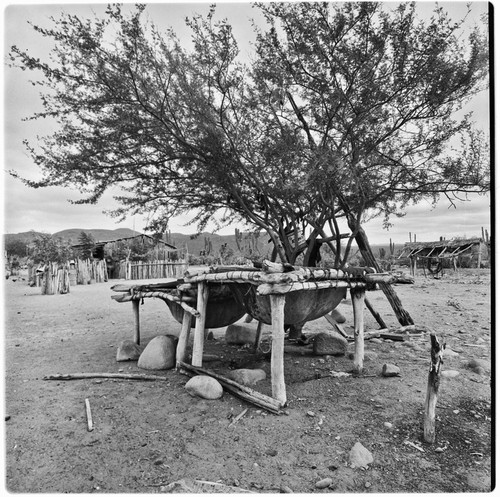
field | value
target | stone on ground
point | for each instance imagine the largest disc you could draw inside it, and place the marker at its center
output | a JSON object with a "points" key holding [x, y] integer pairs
{"points": [[360, 456], [241, 333], [338, 316], [324, 483], [205, 387], [128, 350], [449, 373], [159, 353], [479, 366], [247, 376], [390, 370], [329, 344]]}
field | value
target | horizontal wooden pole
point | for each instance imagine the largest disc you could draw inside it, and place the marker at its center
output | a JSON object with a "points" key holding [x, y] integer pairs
{"points": [[119, 376], [279, 289], [159, 295]]}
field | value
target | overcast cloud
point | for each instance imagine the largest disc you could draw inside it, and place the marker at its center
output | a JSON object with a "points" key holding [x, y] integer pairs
{"points": [[48, 209]]}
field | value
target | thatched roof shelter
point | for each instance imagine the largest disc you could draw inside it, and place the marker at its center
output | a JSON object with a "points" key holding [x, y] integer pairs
{"points": [[476, 249]]}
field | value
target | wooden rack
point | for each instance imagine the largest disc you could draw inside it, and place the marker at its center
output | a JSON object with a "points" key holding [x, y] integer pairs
{"points": [[275, 284]]}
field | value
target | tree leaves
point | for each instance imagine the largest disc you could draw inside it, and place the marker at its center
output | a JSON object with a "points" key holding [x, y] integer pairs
{"points": [[346, 108]]}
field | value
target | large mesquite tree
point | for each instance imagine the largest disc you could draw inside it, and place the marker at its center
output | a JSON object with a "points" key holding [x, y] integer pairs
{"points": [[375, 95], [346, 111]]}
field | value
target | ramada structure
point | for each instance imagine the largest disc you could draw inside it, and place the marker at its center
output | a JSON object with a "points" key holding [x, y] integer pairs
{"points": [[218, 296], [431, 256]]}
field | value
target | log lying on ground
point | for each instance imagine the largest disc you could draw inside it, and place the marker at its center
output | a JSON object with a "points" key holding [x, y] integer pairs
{"points": [[119, 376], [235, 388]]}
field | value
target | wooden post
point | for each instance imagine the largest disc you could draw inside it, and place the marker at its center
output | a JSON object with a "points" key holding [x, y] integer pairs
{"points": [[358, 299], [375, 314], [278, 348], [364, 247], [137, 325], [432, 389], [199, 331], [180, 355]]}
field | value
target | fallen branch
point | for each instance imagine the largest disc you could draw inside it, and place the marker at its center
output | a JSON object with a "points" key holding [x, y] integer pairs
{"points": [[90, 425], [235, 388], [237, 418], [121, 376]]}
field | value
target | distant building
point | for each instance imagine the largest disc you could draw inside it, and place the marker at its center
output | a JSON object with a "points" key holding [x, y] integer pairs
{"points": [[138, 247], [459, 252]]}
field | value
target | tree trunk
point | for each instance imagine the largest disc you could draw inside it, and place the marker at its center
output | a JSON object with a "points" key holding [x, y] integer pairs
{"points": [[364, 247]]}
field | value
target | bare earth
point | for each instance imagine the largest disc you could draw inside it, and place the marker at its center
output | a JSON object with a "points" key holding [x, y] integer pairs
{"points": [[150, 434]]}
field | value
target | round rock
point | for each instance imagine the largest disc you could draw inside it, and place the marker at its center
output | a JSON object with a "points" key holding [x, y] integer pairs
{"points": [[128, 350], [360, 456], [329, 344], [205, 387], [338, 316], [247, 376], [390, 370], [159, 353], [324, 483]]}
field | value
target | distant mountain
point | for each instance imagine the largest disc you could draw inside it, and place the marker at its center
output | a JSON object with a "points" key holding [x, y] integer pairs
{"points": [[98, 234], [195, 243], [25, 237]]}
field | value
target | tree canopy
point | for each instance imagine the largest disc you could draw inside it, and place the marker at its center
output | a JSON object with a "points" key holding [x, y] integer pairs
{"points": [[346, 110]]}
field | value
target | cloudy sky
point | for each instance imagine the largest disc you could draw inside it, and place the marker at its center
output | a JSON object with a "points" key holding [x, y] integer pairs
{"points": [[48, 210]]}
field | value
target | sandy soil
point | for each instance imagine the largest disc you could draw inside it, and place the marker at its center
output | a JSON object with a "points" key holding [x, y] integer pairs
{"points": [[150, 434]]}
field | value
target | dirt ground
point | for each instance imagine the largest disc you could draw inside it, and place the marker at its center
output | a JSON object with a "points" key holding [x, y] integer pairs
{"points": [[150, 434]]}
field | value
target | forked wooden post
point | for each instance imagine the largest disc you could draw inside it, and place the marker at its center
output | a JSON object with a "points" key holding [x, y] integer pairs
{"points": [[199, 330], [433, 381], [358, 304], [180, 355], [278, 348], [137, 326]]}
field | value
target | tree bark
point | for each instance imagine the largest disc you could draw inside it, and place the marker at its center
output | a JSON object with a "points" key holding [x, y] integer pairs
{"points": [[364, 247]]}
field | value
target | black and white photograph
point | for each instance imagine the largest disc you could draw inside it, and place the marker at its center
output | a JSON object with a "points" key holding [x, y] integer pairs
{"points": [[248, 247]]}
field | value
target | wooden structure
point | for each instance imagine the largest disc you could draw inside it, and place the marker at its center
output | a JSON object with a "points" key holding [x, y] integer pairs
{"points": [[140, 270], [274, 295], [432, 256], [55, 278], [90, 271], [119, 266]]}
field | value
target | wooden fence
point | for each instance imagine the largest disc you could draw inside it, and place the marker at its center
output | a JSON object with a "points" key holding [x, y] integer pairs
{"points": [[91, 271], [54, 278], [152, 269], [76, 273]]}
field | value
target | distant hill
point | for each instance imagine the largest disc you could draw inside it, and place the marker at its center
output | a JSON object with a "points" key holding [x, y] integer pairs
{"points": [[98, 234], [195, 243], [73, 234]]}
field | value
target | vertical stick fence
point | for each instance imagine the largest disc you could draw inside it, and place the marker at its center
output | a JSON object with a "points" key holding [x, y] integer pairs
{"points": [[152, 269]]}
